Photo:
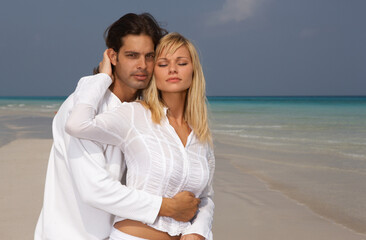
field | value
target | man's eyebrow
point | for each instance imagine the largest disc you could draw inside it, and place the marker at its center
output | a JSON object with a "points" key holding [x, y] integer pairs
{"points": [[132, 52]]}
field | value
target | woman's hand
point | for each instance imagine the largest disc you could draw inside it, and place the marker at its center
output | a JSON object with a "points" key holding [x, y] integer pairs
{"points": [[192, 236], [105, 65]]}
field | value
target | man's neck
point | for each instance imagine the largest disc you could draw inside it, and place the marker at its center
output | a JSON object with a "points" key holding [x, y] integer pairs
{"points": [[123, 92]]}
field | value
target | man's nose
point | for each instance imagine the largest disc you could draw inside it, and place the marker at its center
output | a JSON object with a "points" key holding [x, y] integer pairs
{"points": [[141, 63]]}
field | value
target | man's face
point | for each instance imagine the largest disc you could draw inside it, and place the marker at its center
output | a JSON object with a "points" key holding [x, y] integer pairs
{"points": [[134, 61]]}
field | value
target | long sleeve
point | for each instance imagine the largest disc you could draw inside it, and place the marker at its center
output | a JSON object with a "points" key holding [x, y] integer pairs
{"points": [[99, 189], [110, 127], [87, 161], [202, 223]]}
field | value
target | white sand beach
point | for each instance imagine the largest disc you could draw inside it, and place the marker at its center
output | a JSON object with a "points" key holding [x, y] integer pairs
{"points": [[23, 165], [245, 207]]}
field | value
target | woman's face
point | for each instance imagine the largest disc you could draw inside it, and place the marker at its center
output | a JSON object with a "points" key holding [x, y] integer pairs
{"points": [[174, 72]]}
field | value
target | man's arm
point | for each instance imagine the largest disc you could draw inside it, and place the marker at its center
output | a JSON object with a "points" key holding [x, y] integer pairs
{"points": [[99, 189]]}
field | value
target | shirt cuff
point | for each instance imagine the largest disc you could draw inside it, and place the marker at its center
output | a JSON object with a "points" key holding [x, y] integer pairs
{"points": [[155, 209], [90, 90]]}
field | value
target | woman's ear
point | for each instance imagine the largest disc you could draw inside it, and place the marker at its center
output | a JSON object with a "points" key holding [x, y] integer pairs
{"points": [[112, 56]]}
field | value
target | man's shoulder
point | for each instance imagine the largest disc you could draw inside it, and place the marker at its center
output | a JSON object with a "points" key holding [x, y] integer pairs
{"points": [[108, 102], [66, 106]]}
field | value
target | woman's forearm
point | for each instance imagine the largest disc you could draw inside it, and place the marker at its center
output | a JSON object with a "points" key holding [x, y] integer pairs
{"points": [[83, 122]]}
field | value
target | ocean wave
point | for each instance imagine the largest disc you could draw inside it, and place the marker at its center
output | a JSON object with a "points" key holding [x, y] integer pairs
{"points": [[226, 131], [354, 155], [50, 106], [31, 107], [274, 138], [252, 126]]}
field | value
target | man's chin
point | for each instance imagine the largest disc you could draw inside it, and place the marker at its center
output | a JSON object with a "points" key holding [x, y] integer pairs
{"points": [[140, 86]]}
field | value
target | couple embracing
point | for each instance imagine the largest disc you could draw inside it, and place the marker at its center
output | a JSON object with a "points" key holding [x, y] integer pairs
{"points": [[132, 156]]}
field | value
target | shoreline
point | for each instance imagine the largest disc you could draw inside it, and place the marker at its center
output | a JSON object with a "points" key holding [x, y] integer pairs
{"points": [[265, 214], [332, 221], [241, 160]]}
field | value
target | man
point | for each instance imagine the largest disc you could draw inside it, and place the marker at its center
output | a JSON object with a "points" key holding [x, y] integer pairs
{"points": [[83, 189]]}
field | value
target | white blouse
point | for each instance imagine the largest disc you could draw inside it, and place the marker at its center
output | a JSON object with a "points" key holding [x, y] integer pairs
{"points": [[156, 159]]}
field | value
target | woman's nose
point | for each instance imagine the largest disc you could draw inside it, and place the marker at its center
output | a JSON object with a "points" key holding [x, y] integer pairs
{"points": [[172, 68]]}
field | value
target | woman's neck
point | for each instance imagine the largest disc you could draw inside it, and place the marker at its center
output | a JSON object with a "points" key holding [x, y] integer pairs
{"points": [[176, 104]]}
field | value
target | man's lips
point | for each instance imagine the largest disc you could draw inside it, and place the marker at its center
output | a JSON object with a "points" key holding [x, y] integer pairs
{"points": [[173, 79], [140, 76]]}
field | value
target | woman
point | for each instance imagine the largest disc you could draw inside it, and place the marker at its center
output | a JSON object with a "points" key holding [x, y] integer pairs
{"points": [[165, 138]]}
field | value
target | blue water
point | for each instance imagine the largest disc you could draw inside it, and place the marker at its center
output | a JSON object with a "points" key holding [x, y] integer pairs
{"points": [[43, 104], [27, 117], [313, 149], [334, 125]]}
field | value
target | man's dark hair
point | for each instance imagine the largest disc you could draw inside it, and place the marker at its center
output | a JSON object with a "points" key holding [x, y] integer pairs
{"points": [[135, 24]]}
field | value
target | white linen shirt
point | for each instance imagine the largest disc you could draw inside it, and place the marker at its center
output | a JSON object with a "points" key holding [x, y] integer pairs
{"points": [[83, 191], [157, 161]]}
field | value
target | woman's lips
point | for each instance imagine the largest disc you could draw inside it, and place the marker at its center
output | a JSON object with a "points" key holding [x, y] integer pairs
{"points": [[173, 79]]}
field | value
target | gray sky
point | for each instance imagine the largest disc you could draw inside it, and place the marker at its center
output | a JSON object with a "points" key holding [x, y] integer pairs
{"points": [[247, 47]]}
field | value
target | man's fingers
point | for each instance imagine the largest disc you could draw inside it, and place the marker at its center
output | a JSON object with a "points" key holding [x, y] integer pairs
{"points": [[105, 64], [189, 193], [105, 54]]}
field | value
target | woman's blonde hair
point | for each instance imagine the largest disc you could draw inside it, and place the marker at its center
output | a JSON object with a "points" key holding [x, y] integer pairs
{"points": [[195, 111]]}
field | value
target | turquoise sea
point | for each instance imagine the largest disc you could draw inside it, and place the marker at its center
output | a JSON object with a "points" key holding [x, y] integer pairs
{"points": [[27, 117], [332, 125], [312, 149]]}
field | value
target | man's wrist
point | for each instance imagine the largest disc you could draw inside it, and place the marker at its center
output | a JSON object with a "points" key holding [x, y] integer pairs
{"points": [[166, 208]]}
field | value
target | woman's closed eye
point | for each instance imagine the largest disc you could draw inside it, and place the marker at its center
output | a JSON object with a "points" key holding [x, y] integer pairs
{"points": [[162, 64]]}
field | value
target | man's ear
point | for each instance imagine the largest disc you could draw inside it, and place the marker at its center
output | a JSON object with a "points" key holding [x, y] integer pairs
{"points": [[112, 56]]}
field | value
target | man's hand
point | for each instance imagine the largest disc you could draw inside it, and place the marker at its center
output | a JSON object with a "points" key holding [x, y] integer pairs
{"points": [[192, 236], [182, 207], [105, 65]]}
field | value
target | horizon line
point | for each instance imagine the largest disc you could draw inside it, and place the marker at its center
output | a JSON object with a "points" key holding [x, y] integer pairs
{"points": [[64, 97]]}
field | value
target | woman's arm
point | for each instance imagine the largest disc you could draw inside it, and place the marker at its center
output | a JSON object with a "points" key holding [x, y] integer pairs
{"points": [[110, 127], [202, 223]]}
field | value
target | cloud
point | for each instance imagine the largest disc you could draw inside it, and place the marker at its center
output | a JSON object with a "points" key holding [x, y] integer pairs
{"points": [[234, 10]]}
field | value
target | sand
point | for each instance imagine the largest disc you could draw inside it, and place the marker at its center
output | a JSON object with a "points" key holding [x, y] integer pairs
{"points": [[246, 208], [23, 166]]}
